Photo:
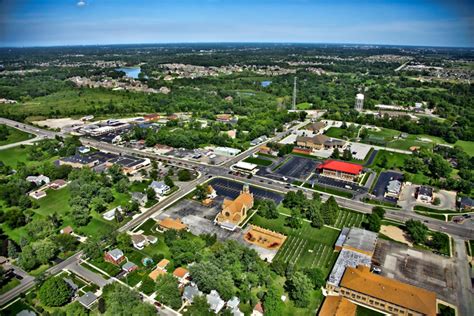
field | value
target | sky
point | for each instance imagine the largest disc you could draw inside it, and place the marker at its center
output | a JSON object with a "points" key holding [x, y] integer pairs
{"points": [[91, 22]]}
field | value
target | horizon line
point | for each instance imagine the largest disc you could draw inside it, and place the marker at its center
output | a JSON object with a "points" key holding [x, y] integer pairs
{"points": [[236, 42]]}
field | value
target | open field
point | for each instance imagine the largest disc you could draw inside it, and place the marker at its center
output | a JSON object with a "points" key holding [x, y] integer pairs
{"points": [[55, 201], [335, 132], [14, 136], [348, 218], [12, 156], [395, 161], [259, 161], [467, 146], [306, 247]]}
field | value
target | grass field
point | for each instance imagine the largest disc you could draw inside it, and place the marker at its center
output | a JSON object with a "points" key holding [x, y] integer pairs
{"points": [[259, 161], [55, 201], [78, 101], [396, 161], [15, 135], [12, 156], [348, 218], [467, 146], [306, 247], [304, 106], [335, 132]]}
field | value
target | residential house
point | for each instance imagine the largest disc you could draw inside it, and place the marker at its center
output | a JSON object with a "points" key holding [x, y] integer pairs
{"points": [[67, 230], [155, 274], [191, 291], [424, 194], [235, 211], [38, 180], [224, 118], [233, 305], [215, 302], [258, 140], [110, 215], [37, 194], [181, 274], [129, 267], [139, 241], [58, 184], [160, 187], [163, 264], [114, 256], [87, 300], [140, 198], [257, 310]]}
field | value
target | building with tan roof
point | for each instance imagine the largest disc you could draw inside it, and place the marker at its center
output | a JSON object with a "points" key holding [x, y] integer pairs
{"points": [[156, 273], [181, 274], [337, 306], [385, 294], [163, 264], [169, 223], [235, 211]]}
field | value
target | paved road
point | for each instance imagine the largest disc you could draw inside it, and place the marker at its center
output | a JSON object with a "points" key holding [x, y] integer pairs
{"points": [[464, 288], [29, 128], [25, 286], [87, 274]]}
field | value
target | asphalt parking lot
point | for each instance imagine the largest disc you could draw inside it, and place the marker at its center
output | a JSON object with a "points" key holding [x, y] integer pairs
{"points": [[382, 182], [417, 267], [231, 189], [340, 184], [297, 167]]}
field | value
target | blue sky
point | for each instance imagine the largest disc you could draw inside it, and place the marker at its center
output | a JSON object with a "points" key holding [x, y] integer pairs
{"points": [[81, 22]]}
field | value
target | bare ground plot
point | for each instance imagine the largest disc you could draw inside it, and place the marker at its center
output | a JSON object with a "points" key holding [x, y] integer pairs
{"points": [[417, 267], [395, 233]]}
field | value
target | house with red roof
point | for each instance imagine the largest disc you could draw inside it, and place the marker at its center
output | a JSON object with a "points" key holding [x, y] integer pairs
{"points": [[340, 170]]}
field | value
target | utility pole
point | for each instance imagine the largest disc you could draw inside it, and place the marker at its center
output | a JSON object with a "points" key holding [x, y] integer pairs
{"points": [[294, 95]]}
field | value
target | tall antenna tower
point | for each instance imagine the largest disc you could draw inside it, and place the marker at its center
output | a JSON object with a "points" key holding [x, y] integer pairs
{"points": [[294, 95]]}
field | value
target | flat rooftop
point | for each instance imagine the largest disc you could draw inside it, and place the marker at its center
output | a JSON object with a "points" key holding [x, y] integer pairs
{"points": [[361, 239], [347, 258]]}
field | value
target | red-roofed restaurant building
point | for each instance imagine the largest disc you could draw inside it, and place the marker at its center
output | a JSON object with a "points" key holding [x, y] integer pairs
{"points": [[340, 170]]}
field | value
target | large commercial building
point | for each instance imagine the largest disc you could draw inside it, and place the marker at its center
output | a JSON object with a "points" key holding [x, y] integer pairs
{"points": [[340, 170], [385, 294], [319, 142]]}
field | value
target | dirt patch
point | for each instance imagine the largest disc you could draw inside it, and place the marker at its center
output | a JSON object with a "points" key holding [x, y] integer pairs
{"points": [[59, 123], [264, 238], [395, 233]]}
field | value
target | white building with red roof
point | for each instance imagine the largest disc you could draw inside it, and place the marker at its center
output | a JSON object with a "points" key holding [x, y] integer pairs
{"points": [[340, 170]]}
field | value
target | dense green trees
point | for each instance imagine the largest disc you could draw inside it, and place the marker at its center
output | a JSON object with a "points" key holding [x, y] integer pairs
{"points": [[272, 303], [167, 291], [55, 292], [200, 307], [417, 230], [299, 286], [120, 300], [268, 209]]}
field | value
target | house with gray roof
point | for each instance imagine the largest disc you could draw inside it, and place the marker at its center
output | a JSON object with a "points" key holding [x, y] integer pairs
{"points": [[140, 198], [190, 292], [87, 300], [160, 187], [215, 302]]}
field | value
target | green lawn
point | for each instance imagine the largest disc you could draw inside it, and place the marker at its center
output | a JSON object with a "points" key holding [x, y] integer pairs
{"points": [[335, 132], [55, 201], [259, 161], [13, 155], [396, 161], [9, 285], [467, 146], [16, 307], [304, 106], [348, 218], [305, 247], [14, 136]]}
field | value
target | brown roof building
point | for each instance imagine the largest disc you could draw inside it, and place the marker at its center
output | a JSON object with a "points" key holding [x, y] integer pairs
{"points": [[235, 211], [385, 294], [169, 223], [337, 306], [315, 127], [319, 142]]}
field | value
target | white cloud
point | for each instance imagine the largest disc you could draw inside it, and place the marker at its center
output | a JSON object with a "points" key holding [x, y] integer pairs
{"points": [[81, 3]]}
